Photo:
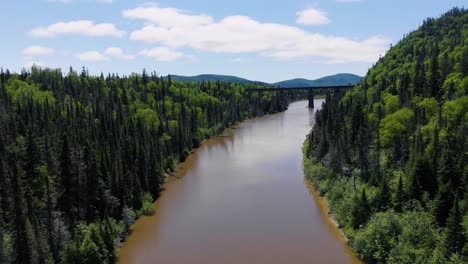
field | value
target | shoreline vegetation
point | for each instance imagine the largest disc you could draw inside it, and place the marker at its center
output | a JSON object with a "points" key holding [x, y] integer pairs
{"points": [[390, 155]]}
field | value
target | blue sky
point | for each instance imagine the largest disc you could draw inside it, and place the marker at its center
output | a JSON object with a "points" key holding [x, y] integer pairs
{"points": [[263, 40]]}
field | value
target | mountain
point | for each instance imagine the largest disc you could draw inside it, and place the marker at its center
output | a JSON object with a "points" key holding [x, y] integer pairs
{"points": [[337, 79], [391, 154], [210, 77]]}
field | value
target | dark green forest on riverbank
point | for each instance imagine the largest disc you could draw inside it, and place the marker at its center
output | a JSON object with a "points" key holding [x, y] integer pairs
{"points": [[391, 155], [81, 157]]}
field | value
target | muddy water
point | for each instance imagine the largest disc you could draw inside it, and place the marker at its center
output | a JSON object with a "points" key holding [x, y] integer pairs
{"points": [[241, 198]]}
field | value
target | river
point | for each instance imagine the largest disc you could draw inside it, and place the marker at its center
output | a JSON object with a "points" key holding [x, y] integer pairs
{"points": [[241, 198]]}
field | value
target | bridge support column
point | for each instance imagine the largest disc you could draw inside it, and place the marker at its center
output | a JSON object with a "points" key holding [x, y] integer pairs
{"points": [[310, 96]]}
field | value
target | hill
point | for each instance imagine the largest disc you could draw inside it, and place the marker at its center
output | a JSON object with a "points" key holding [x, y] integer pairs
{"points": [[391, 154], [210, 78], [337, 79]]}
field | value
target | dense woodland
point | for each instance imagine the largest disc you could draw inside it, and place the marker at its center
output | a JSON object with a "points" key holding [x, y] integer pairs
{"points": [[82, 156], [391, 155]]}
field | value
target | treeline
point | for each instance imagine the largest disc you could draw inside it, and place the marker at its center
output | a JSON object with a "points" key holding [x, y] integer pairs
{"points": [[82, 156], [391, 155]]}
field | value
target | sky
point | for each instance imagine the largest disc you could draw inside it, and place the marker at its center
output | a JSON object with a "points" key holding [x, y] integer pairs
{"points": [[263, 40]]}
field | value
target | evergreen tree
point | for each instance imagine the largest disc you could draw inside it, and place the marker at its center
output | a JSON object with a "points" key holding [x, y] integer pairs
{"points": [[455, 235], [361, 210], [65, 200], [399, 196]]}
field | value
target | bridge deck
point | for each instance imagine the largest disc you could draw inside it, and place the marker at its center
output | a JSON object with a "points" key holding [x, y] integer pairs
{"points": [[275, 89]]}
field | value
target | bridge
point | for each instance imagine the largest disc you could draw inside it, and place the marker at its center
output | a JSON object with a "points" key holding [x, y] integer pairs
{"points": [[312, 90]]}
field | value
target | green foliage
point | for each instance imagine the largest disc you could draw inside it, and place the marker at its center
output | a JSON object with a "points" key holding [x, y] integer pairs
{"points": [[22, 92], [378, 237], [393, 177], [93, 243], [455, 239], [147, 207], [417, 239], [395, 125], [392, 103], [394, 238], [79, 153], [361, 210], [148, 116]]}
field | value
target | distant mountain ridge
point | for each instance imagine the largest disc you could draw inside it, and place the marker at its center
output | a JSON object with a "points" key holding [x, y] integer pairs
{"points": [[211, 77], [337, 79]]}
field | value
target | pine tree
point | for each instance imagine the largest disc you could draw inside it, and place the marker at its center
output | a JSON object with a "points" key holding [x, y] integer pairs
{"points": [[399, 196], [92, 184], [455, 235], [383, 199], [65, 199], [434, 79], [361, 210]]}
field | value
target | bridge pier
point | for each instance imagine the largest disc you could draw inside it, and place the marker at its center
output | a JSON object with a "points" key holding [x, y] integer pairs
{"points": [[310, 96]]}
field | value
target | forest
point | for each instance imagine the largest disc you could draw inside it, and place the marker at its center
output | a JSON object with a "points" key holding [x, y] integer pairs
{"points": [[81, 157], [391, 156]]}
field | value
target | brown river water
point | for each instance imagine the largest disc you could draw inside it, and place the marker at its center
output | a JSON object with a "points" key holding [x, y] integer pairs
{"points": [[241, 198]]}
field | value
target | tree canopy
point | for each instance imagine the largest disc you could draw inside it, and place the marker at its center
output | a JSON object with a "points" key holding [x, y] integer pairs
{"points": [[397, 149]]}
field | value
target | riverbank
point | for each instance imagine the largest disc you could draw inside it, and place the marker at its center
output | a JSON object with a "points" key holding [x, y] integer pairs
{"points": [[325, 208]]}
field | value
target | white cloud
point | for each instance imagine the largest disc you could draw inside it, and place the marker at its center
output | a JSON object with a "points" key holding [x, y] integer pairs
{"points": [[106, 1], [38, 50], [31, 63], [118, 53], [312, 16], [174, 29], [91, 56], [162, 54], [167, 17], [334, 50], [79, 27]]}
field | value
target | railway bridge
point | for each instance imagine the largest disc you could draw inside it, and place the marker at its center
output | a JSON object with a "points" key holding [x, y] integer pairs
{"points": [[311, 91]]}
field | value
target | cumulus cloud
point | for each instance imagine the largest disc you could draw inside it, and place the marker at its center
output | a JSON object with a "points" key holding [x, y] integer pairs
{"points": [[174, 28], [167, 17], [162, 54], [38, 50], [91, 56], [312, 16], [79, 27], [118, 53]]}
